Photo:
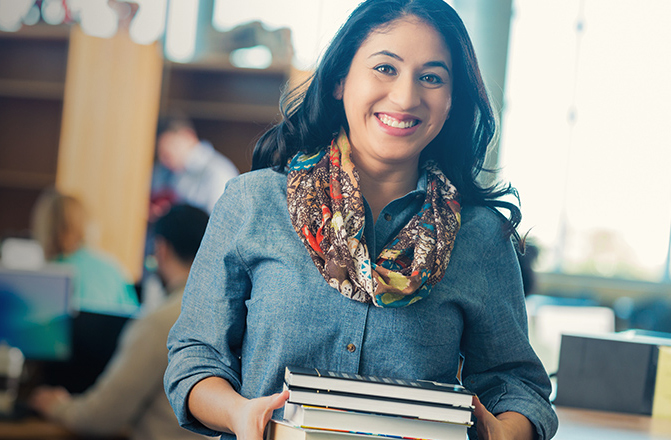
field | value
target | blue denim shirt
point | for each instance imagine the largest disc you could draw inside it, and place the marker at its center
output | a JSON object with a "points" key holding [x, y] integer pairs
{"points": [[255, 302]]}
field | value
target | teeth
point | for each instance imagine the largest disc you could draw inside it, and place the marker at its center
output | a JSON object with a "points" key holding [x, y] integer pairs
{"points": [[388, 120]]}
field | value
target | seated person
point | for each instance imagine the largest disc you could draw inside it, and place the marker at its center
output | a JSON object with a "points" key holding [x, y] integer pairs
{"points": [[59, 224], [128, 397], [187, 169]]}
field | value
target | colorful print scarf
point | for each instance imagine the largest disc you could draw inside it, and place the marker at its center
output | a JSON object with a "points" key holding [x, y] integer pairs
{"points": [[327, 211]]}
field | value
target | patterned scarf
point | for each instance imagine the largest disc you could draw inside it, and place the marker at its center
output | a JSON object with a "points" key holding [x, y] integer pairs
{"points": [[327, 211]]}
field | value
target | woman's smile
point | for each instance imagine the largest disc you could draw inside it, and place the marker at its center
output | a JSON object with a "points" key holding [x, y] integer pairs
{"points": [[395, 122]]}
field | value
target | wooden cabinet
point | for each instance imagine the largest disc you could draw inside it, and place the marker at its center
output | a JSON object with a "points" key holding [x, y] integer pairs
{"points": [[32, 77], [230, 107]]}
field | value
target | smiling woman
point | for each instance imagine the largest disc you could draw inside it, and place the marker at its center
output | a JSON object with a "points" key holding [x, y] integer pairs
{"points": [[362, 238]]}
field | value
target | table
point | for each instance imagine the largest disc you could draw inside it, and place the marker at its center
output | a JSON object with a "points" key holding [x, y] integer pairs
{"points": [[574, 424], [583, 424], [35, 428]]}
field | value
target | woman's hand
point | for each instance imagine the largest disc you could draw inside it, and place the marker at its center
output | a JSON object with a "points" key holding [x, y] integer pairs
{"points": [[215, 403], [505, 426], [255, 414]]}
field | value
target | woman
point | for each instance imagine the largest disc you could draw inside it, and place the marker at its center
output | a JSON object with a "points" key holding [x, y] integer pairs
{"points": [[384, 149], [59, 224]]}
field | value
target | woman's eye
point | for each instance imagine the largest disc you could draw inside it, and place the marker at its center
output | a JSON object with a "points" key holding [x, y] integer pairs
{"points": [[431, 79], [386, 69]]}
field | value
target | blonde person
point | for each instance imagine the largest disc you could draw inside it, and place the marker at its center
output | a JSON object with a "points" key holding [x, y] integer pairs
{"points": [[363, 241], [59, 224]]}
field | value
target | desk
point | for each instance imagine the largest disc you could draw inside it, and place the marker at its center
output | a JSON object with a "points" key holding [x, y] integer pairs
{"points": [[583, 424], [33, 428], [574, 424]]}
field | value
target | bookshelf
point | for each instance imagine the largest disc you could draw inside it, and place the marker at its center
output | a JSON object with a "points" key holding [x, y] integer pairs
{"points": [[229, 106], [32, 78]]}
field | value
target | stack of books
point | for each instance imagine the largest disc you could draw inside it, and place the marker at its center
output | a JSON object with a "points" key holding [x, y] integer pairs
{"points": [[325, 405]]}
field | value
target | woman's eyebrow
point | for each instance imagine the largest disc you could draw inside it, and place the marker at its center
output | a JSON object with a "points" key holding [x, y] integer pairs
{"points": [[441, 64], [437, 64], [386, 53]]}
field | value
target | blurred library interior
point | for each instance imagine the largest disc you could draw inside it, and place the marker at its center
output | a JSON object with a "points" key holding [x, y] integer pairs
{"points": [[581, 87]]}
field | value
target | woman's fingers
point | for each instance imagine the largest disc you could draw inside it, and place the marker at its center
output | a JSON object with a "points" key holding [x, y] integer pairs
{"points": [[260, 411]]}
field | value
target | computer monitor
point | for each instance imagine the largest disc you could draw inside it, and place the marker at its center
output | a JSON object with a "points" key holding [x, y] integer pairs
{"points": [[35, 312], [94, 339]]}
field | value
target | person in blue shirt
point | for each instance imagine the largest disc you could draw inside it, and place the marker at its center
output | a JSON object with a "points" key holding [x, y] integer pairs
{"points": [[59, 224], [187, 169], [363, 241]]}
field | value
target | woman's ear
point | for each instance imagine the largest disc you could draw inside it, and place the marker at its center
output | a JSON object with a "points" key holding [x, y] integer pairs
{"points": [[338, 92]]}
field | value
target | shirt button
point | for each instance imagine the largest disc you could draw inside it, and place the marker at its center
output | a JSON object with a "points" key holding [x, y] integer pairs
{"points": [[351, 348], [387, 217]]}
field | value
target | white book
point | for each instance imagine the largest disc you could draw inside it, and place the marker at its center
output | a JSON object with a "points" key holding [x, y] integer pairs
{"points": [[312, 417], [381, 405]]}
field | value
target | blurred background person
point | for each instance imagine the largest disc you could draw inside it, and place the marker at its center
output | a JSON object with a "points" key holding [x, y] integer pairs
{"points": [[59, 224], [187, 169], [128, 397]]}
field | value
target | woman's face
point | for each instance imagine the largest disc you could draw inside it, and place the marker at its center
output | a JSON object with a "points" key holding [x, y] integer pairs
{"points": [[397, 94]]}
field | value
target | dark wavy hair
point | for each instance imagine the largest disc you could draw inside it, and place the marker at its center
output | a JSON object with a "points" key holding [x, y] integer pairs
{"points": [[312, 115]]}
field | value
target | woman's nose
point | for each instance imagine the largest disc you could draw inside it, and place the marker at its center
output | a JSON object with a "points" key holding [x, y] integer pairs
{"points": [[404, 93]]}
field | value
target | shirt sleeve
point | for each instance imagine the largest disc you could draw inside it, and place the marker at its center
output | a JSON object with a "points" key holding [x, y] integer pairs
{"points": [[130, 380], [207, 338], [500, 365]]}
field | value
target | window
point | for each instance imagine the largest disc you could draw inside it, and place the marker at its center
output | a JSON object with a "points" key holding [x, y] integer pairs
{"points": [[585, 134]]}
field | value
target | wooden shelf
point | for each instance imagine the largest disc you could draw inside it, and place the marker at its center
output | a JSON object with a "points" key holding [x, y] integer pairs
{"points": [[34, 54], [26, 180], [222, 64], [33, 64], [40, 31], [230, 106], [227, 111], [19, 88], [230, 86]]}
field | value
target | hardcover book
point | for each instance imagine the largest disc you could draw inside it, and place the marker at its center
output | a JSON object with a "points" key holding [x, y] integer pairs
{"points": [[419, 390], [396, 426], [380, 405]]}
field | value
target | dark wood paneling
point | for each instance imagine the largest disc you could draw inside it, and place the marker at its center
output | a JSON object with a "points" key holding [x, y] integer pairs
{"points": [[29, 133], [32, 76], [16, 206]]}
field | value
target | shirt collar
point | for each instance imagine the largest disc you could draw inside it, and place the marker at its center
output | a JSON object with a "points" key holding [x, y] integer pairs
{"points": [[423, 180]]}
